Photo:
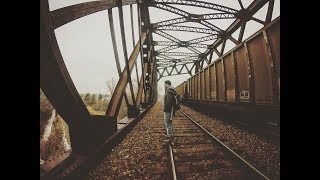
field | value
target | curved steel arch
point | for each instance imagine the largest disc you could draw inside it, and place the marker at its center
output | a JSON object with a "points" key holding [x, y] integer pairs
{"points": [[194, 16], [67, 14], [197, 4]]}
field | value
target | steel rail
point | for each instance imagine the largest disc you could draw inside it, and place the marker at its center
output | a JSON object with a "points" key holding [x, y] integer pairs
{"points": [[257, 172]]}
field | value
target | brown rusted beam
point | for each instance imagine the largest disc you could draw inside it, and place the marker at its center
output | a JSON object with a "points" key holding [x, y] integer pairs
{"points": [[243, 26], [115, 49], [270, 10], [223, 46], [272, 65], [133, 42], [124, 46], [58, 87], [141, 47], [251, 76], [236, 77], [114, 105], [241, 5], [140, 90], [67, 14], [252, 9], [210, 58]]}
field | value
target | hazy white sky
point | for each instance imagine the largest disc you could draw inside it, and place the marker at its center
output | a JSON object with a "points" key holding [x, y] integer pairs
{"points": [[86, 46]]}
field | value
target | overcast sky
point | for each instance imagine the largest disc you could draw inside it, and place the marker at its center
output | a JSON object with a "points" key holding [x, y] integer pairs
{"points": [[86, 46]]}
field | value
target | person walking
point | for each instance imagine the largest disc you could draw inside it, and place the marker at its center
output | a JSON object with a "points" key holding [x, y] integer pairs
{"points": [[168, 109]]}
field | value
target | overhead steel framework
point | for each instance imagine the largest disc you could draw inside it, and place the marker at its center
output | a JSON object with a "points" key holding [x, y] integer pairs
{"points": [[212, 32], [88, 130]]}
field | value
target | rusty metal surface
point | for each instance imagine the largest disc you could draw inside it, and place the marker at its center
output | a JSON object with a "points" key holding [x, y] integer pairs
{"points": [[274, 36], [133, 43], [261, 70], [202, 85], [192, 88], [198, 86], [229, 72], [220, 81], [58, 86], [236, 81], [70, 13], [125, 53], [140, 90], [115, 49], [243, 73], [213, 80], [207, 83], [114, 104], [251, 9], [195, 87]]}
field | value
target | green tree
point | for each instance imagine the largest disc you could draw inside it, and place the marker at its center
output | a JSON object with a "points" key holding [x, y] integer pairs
{"points": [[100, 97], [93, 99], [87, 97]]}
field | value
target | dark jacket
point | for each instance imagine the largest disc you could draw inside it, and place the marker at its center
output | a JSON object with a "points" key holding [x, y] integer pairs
{"points": [[168, 100]]}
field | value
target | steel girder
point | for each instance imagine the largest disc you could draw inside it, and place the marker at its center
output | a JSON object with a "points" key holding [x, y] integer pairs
{"points": [[176, 54], [215, 33], [67, 14], [197, 4], [249, 12], [170, 70], [115, 102], [188, 17], [187, 29], [170, 43]]}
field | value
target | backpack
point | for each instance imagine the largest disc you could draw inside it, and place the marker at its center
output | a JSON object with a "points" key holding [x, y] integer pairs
{"points": [[176, 101]]}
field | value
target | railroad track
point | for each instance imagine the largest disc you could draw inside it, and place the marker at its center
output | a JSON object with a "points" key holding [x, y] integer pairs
{"points": [[194, 153]]}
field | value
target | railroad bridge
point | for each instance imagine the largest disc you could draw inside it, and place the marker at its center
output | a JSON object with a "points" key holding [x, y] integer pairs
{"points": [[230, 76]]}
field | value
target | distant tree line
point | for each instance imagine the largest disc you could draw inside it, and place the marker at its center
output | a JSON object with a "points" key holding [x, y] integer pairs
{"points": [[97, 103]]}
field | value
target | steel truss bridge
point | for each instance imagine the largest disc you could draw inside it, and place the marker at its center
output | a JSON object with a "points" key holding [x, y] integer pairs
{"points": [[89, 131]]}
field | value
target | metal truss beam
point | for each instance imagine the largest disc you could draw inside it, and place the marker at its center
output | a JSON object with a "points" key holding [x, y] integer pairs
{"points": [[197, 4], [124, 45], [187, 29], [115, 102], [115, 49], [170, 43], [168, 48], [176, 54], [252, 9], [172, 65], [170, 71], [194, 17], [166, 35], [67, 14], [202, 39], [188, 17]]}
